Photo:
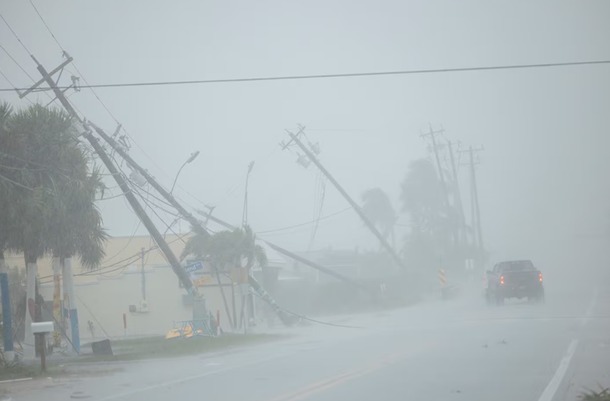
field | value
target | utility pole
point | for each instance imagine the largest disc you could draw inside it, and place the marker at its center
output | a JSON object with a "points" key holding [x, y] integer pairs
{"points": [[353, 204], [186, 214], [432, 134], [297, 258], [137, 208], [168, 196], [244, 215], [476, 217], [458, 193]]}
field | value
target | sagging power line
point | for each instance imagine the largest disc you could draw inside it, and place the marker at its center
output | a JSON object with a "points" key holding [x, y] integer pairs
{"points": [[330, 76]]}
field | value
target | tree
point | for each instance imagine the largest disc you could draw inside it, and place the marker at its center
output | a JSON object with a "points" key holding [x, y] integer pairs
{"points": [[6, 187], [52, 192], [77, 221], [226, 250], [378, 208], [434, 222]]}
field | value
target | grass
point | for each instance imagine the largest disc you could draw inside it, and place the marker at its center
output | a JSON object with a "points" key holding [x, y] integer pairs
{"points": [[132, 350], [159, 347], [54, 370]]}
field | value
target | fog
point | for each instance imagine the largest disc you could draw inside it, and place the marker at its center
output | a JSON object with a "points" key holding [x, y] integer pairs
{"points": [[542, 177], [544, 130]]}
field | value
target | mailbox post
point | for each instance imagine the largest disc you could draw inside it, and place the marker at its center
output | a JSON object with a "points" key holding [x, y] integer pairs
{"points": [[39, 329]]}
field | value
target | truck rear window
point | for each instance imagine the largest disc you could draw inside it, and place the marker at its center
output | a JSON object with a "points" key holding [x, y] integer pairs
{"points": [[517, 266]]}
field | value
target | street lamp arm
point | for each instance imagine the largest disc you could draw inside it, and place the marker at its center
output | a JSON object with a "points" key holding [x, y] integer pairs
{"points": [[176, 179]]}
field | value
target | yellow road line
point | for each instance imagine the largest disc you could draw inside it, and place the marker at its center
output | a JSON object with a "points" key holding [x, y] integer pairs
{"points": [[343, 378]]}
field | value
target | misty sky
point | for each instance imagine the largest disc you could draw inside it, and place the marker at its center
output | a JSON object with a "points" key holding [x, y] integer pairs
{"points": [[544, 172]]}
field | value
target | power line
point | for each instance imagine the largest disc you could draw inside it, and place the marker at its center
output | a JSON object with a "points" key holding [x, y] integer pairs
{"points": [[16, 62], [158, 216], [111, 197], [73, 63], [45, 24], [131, 259], [332, 76], [7, 80], [304, 224], [86, 82], [25, 48], [87, 85], [128, 242], [15, 34], [10, 83]]}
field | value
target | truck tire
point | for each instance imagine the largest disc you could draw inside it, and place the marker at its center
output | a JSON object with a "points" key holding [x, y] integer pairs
{"points": [[541, 299], [499, 299], [488, 298]]}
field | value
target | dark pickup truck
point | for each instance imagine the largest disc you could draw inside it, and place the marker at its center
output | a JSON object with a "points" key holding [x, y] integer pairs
{"points": [[514, 279]]}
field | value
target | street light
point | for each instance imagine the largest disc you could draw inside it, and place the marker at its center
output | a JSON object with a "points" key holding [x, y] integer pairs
{"points": [[244, 216], [192, 157]]}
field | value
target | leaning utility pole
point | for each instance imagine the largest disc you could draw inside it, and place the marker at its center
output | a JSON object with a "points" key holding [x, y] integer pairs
{"points": [[353, 204], [432, 134], [297, 258], [185, 213], [167, 195], [154, 232], [458, 194]]}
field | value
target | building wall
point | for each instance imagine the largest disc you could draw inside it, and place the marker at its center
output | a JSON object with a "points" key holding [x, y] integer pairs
{"points": [[105, 300], [103, 295]]}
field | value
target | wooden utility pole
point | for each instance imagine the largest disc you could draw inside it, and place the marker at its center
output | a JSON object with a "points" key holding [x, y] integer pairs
{"points": [[192, 220], [432, 134], [349, 200], [135, 205], [476, 217], [170, 198], [476, 198], [458, 193], [296, 257]]}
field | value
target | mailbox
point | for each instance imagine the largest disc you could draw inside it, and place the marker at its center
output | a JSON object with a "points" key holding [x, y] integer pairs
{"points": [[42, 327]]}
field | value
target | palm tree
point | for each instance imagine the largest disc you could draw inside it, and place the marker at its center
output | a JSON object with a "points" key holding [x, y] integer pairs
{"points": [[78, 225], [378, 208], [57, 193], [226, 250], [7, 193]]}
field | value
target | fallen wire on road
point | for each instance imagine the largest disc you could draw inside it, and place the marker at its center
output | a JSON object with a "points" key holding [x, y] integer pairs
{"points": [[310, 319]]}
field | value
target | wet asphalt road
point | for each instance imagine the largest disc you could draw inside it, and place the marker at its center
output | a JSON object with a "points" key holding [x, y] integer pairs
{"points": [[459, 350]]}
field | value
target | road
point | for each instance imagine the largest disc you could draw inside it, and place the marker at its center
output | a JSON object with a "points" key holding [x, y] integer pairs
{"points": [[457, 350]]}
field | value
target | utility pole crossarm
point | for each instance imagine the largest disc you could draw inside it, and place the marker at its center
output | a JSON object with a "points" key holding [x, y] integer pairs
{"points": [[353, 204], [37, 84]]}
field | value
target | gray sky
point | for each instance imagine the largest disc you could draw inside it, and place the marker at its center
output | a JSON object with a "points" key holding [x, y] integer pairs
{"points": [[544, 172]]}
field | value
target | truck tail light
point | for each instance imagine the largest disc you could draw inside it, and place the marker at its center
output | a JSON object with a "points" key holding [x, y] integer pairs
{"points": [[540, 277], [502, 279]]}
